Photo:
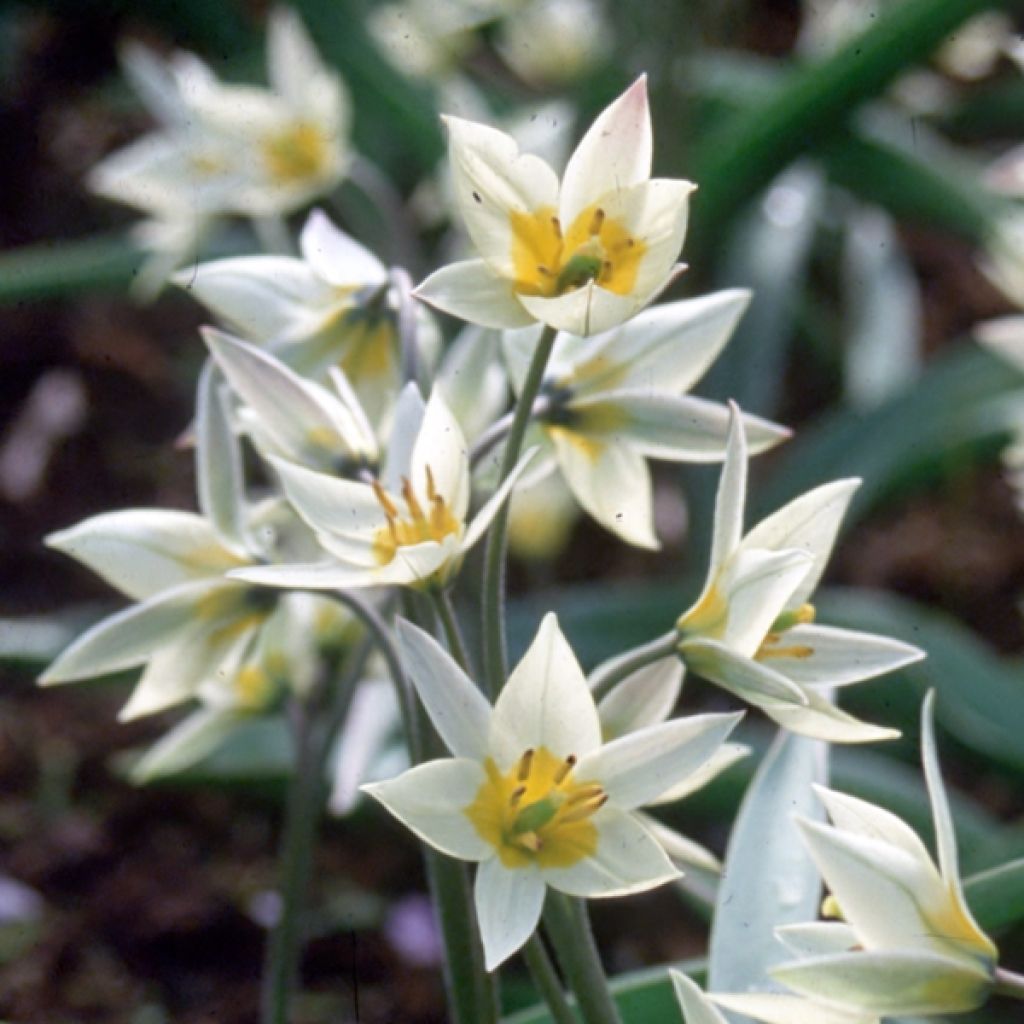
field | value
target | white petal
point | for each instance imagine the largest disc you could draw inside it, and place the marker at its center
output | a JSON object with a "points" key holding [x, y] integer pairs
{"points": [[777, 1008], [405, 429], [143, 552], [153, 80], [130, 637], [338, 258], [731, 497], [611, 481], [891, 983], [472, 379], [508, 906], [628, 859], [841, 656], [679, 848], [820, 719], [185, 744], [668, 347], [261, 297], [723, 758], [483, 519], [471, 291], [849, 814], [493, 180], [817, 938], [695, 1005], [679, 428], [587, 310], [431, 800], [545, 703], [811, 523], [327, 575], [441, 447], [748, 679], [614, 154], [457, 708], [638, 767], [646, 697]]}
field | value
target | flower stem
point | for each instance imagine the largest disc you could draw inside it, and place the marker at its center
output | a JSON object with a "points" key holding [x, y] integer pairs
{"points": [[568, 928], [453, 635], [1009, 984], [609, 675], [545, 977], [494, 557], [499, 429]]}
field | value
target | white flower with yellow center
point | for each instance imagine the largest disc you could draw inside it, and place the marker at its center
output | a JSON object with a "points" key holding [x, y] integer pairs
{"points": [[408, 528], [583, 254], [752, 629], [613, 401], [531, 793]]}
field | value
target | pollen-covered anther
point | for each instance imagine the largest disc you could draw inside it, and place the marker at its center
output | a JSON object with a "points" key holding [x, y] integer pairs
{"points": [[596, 222], [557, 225], [768, 650], [411, 503], [390, 509], [525, 763], [567, 766]]}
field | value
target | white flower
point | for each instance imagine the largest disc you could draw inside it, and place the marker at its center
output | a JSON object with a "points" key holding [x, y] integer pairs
{"points": [[752, 629], [582, 255], [334, 307], [231, 149], [531, 793], [408, 528], [617, 399]]}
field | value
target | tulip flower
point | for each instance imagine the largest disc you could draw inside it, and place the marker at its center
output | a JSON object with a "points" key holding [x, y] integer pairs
{"points": [[531, 793], [752, 629], [581, 255]]}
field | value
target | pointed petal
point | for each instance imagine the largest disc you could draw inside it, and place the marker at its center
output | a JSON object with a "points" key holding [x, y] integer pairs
{"points": [[731, 498], [508, 906], [722, 759], [890, 983], [336, 257], [748, 679], [614, 154], [841, 656], [186, 744], [405, 429], [858, 817], [130, 637], [638, 767], [431, 800], [611, 481], [457, 708], [471, 291], [143, 552], [545, 703], [644, 698], [680, 849], [822, 720], [696, 1007], [777, 1008], [628, 859], [492, 181], [441, 446], [327, 575], [810, 523], [817, 938]]}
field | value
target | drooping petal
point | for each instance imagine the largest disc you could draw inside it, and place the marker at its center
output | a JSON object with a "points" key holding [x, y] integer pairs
{"points": [[644, 698], [638, 767], [493, 182], [893, 983], [143, 552], [748, 679], [615, 153], [431, 800], [130, 637], [473, 292], [822, 720], [186, 744], [628, 859], [723, 758], [810, 523], [457, 708], [336, 257], [778, 1008], [508, 905], [611, 481], [696, 1007], [840, 656], [545, 703]]}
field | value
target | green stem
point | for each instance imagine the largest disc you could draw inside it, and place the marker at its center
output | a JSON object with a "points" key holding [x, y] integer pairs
{"points": [[568, 928], [494, 557], [1009, 984], [453, 635], [545, 977], [609, 675]]}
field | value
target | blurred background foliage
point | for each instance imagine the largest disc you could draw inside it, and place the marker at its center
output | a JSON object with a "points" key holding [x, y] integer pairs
{"points": [[840, 170]]}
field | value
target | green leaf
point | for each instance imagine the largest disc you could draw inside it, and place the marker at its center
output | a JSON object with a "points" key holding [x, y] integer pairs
{"points": [[768, 879], [814, 103], [996, 896]]}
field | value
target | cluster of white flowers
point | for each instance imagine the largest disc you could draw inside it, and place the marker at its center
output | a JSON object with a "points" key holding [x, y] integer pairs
{"points": [[371, 451]]}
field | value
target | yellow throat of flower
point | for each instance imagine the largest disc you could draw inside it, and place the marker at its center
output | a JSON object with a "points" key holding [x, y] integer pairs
{"points": [[298, 152], [537, 813], [596, 247], [434, 523]]}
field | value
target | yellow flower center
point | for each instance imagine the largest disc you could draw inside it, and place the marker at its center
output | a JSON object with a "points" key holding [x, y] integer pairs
{"points": [[434, 523], [537, 813], [551, 262], [296, 153]]}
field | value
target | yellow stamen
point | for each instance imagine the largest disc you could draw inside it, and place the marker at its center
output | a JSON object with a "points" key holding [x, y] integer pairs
{"points": [[390, 509], [414, 507], [567, 766], [596, 221], [525, 763]]}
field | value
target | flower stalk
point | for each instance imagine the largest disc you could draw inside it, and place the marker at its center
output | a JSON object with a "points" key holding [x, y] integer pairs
{"points": [[495, 662], [545, 977], [1009, 984]]}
